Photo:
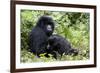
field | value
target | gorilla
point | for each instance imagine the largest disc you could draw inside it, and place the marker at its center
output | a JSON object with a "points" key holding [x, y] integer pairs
{"points": [[57, 43], [39, 35]]}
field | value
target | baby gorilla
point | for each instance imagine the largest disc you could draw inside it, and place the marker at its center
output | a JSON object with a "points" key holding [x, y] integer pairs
{"points": [[57, 43]]}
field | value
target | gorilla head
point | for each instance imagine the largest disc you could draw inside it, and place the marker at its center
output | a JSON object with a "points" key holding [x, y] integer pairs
{"points": [[39, 35], [47, 24]]}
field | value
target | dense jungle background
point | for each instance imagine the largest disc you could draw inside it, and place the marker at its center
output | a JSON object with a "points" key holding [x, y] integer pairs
{"points": [[73, 26]]}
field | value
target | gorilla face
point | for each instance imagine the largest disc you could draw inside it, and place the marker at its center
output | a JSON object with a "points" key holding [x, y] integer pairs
{"points": [[49, 28], [47, 24]]}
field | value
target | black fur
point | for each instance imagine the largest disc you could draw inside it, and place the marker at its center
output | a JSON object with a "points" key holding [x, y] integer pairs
{"points": [[61, 45], [39, 35]]}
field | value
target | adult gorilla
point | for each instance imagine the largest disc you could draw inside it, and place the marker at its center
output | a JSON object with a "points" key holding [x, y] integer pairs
{"points": [[39, 35]]}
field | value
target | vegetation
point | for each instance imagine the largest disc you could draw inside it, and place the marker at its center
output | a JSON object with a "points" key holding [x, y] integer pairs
{"points": [[73, 26]]}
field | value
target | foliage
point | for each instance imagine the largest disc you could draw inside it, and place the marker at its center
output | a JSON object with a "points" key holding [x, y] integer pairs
{"points": [[73, 26], [30, 57]]}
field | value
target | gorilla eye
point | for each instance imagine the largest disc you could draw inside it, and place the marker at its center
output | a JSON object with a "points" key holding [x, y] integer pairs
{"points": [[49, 27]]}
